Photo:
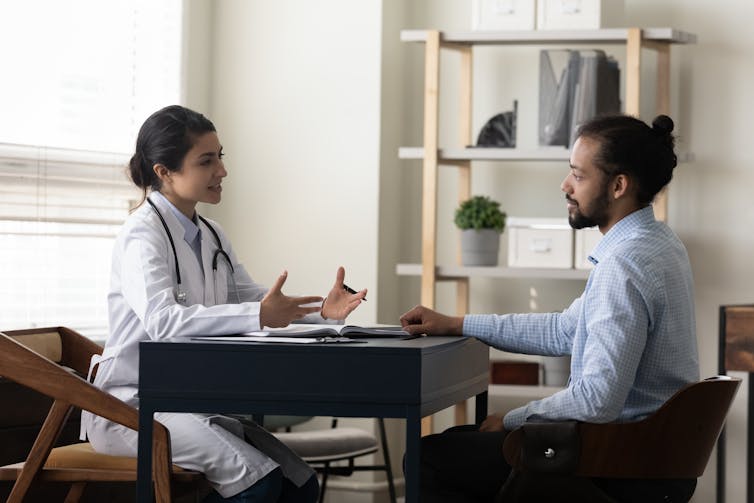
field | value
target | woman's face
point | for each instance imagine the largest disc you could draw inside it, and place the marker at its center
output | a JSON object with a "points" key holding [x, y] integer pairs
{"points": [[199, 177]]}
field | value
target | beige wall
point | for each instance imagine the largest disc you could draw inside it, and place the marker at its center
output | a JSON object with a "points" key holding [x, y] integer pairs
{"points": [[312, 99], [295, 95], [296, 102]]}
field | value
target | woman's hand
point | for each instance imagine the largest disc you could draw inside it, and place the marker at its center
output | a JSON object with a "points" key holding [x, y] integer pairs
{"points": [[278, 310], [339, 303], [422, 320]]}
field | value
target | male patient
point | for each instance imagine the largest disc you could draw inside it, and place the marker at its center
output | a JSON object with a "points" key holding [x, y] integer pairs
{"points": [[631, 334]]}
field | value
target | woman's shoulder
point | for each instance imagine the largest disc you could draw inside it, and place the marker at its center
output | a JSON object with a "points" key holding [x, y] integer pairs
{"points": [[143, 221]]}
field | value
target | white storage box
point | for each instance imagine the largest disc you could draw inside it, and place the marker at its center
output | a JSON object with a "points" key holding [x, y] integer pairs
{"points": [[579, 14], [503, 15], [586, 240], [540, 242]]}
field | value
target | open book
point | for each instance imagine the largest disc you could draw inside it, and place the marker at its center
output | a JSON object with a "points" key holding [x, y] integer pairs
{"points": [[321, 330]]}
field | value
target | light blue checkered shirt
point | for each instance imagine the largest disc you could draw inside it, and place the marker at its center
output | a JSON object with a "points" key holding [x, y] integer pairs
{"points": [[631, 335]]}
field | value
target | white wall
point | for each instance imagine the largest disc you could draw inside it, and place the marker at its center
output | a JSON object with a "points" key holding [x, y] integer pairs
{"points": [[311, 100], [295, 95], [295, 98]]}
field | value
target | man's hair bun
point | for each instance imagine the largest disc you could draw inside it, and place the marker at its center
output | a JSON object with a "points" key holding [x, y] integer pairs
{"points": [[663, 124]]}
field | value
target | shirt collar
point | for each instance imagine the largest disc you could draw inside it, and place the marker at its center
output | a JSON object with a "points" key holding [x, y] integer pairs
{"points": [[191, 229], [620, 231]]}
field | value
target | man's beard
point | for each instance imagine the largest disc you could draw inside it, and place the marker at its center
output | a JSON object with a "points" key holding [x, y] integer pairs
{"points": [[598, 216]]}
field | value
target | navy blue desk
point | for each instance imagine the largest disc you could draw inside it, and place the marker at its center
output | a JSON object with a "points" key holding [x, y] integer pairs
{"points": [[380, 378]]}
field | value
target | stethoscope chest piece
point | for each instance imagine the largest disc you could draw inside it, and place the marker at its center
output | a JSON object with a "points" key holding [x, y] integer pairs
{"points": [[180, 296]]}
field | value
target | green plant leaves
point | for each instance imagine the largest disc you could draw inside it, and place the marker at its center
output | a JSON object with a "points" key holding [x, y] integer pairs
{"points": [[480, 212]]}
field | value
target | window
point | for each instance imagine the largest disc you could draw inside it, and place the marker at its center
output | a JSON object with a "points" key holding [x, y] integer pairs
{"points": [[81, 77]]}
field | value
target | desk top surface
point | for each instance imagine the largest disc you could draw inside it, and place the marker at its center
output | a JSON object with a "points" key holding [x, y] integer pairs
{"points": [[430, 372], [372, 344]]}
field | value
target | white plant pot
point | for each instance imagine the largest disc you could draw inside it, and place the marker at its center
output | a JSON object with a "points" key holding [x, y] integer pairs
{"points": [[480, 247]]}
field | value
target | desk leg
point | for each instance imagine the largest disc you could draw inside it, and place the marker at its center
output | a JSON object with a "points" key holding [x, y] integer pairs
{"points": [[481, 407], [750, 441], [144, 458], [413, 455], [721, 467]]}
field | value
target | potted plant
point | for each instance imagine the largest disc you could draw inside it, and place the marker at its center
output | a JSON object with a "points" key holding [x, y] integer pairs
{"points": [[481, 223]]}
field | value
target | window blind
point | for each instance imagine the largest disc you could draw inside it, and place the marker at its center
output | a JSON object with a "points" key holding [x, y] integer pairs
{"points": [[59, 213], [82, 77]]}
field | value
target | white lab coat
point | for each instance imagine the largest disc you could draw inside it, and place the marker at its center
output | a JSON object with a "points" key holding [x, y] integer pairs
{"points": [[142, 306]]}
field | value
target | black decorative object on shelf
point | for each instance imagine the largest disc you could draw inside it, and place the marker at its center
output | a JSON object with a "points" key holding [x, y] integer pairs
{"points": [[500, 130]]}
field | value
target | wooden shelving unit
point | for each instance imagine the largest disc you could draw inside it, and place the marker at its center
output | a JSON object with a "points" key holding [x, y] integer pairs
{"points": [[453, 272], [432, 156]]}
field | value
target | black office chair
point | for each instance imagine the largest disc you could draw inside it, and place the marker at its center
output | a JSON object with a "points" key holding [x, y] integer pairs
{"points": [[324, 448]]}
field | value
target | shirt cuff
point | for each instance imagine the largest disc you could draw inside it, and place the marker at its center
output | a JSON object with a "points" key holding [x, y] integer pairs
{"points": [[474, 324], [515, 418]]}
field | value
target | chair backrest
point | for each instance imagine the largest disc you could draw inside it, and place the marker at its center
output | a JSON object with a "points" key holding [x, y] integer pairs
{"points": [[674, 442], [42, 367], [60, 345]]}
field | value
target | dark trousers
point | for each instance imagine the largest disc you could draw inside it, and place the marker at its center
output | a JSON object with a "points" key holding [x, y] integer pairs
{"points": [[464, 465], [273, 488]]}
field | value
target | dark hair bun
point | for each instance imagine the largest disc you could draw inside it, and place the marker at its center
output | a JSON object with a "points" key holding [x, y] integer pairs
{"points": [[663, 124]]}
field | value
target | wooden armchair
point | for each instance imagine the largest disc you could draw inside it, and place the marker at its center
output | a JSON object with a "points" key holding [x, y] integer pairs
{"points": [[48, 360], [673, 443]]}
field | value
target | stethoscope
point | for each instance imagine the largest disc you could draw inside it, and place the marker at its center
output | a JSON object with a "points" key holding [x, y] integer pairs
{"points": [[180, 294]]}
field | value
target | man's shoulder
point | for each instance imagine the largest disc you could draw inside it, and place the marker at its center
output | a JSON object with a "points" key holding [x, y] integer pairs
{"points": [[647, 242]]}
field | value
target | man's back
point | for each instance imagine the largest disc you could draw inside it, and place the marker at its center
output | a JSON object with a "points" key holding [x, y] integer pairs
{"points": [[636, 334]]}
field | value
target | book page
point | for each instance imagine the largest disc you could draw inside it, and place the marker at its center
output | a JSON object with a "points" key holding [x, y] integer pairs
{"points": [[374, 331], [313, 329], [264, 338], [298, 330]]}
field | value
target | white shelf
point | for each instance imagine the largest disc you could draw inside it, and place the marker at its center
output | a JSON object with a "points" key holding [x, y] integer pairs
{"points": [[520, 390], [457, 271], [504, 154], [536, 37], [489, 154]]}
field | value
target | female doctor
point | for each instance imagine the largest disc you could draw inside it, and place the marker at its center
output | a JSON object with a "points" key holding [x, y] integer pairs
{"points": [[174, 274]]}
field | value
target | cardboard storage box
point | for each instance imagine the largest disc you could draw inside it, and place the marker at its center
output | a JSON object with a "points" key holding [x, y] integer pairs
{"points": [[501, 15], [540, 242], [586, 240], [514, 372], [579, 14]]}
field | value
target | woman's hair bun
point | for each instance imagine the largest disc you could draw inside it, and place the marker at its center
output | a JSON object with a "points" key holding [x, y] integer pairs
{"points": [[663, 125]]}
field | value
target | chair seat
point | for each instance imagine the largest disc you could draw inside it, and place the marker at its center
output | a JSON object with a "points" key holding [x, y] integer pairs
{"points": [[329, 444], [72, 462]]}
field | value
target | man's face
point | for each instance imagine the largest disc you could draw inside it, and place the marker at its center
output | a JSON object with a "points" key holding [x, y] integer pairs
{"points": [[586, 187]]}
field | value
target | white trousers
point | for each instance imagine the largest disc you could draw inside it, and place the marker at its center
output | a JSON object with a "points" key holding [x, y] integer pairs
{"points": [[212, 444]]}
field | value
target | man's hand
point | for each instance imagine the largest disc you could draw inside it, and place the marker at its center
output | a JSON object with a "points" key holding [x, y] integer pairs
{"points": [[422, 320], [278, 310], [493, 422], [339, 303]]}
